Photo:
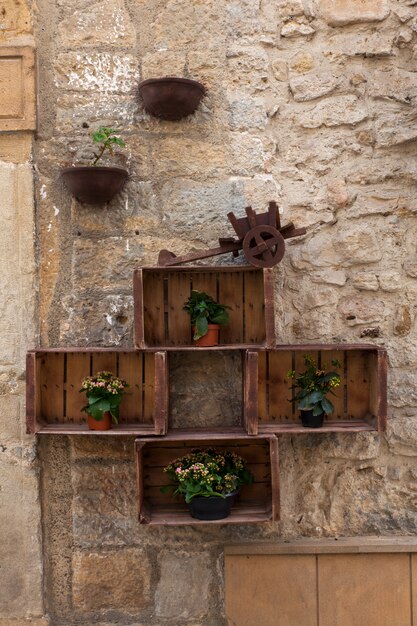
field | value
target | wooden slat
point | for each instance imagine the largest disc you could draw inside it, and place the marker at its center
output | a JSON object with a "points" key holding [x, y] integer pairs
{"points": [[179, 323], [269, 308], [32, 394], [254, 331], [262, 386], [280, 406], [161, 393], [154, 308], [139, 330], [327, 545], [160, 516], [271, 592], [148, 389], [294, 428], [378, 388], [250, 409], [375, 590], [205, 281], [358, 384], [274, 455], [81, 429], [231, 294], [338, 400], [78, 367], [52, 387], [130, 369], [104, 362]]}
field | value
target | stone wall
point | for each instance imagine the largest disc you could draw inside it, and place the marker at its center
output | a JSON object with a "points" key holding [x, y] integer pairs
{"points": [[310, 103], [20, 550]]}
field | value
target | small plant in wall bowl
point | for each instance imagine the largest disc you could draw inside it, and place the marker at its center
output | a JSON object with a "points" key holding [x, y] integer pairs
{"points": [[209, 480], [311, 389], [93, 183], [104, 393], [207, 316]]}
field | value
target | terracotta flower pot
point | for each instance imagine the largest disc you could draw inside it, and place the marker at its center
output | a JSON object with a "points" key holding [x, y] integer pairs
{"points": [[171, 98], [103, 424], [309, 420], [211, 338], [94, 185]]}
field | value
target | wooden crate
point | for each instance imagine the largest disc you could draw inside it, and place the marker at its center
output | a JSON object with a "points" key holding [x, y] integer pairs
{"points": [[256, 503], [54, 403], [360, 402], [160, 294]]}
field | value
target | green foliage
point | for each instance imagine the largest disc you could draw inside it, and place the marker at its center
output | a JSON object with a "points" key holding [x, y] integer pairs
{"points": [[313, 385], [104, 393], [203, 311], [207, 472], [108, 138]]}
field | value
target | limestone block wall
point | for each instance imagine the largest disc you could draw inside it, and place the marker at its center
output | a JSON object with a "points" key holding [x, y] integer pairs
{"points": [[20, 531], [310, 103]]}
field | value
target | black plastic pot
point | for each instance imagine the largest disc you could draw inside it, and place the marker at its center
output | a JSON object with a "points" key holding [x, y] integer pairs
{"points": [[211, 508], [94, 184], [171, 98], [309, 420]]}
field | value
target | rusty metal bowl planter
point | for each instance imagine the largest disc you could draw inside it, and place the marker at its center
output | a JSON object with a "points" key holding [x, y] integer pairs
{"points": [[94, 184], [171, 98]]}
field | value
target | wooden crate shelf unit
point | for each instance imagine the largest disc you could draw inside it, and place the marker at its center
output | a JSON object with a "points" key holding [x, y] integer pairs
{"points": [[161, 292], [360, 401], [54, 403], [258, 502]]}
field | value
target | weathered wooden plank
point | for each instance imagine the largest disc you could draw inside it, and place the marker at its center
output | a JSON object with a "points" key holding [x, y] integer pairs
{"points": [[148, 389], [77, 368], [130, 369], [327, 545], [254, 330], [269, 308], [280, 405], [358, 384], [231, 294], [154, 308], [276, 502], [375, 590], [250, 409], [139, 330], [179, 323], [161, 393], [32, 395], [52, 387], [271, 592]]}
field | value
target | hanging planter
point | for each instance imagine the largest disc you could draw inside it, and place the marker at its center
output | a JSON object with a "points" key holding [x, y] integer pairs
{"points": [[171, 98], [96, 184]]}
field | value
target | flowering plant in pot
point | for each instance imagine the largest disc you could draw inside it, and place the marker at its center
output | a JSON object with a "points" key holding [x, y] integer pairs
{"points": [[104, 393], [312, 387], [207, 316], [95, 184], [208, 479]]}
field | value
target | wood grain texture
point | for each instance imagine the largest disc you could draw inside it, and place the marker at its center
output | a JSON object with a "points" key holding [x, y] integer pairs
{"points": [[264, 591]]}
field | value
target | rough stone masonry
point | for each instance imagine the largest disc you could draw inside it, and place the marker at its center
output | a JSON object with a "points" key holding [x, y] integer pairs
{"points": [[311, 103]]}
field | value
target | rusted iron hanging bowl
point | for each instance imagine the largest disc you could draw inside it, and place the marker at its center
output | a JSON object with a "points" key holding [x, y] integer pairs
{"points": [[171, 98], [94, 185]]}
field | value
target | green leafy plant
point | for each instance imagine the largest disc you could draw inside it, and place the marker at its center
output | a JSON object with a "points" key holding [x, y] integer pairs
{"points": [[203, 311], [313, 385], [106, 138], [207, 472], [104, 392]]}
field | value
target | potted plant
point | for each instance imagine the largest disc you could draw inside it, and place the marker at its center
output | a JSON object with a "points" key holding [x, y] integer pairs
{"points": [[311, 389], [208, 479], [104, 392], [206, 317], [171, 97], [95, 184]]}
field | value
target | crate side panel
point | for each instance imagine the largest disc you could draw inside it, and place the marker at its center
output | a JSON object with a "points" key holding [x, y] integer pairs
{"points": [[52, 388], [205, 281], [254, 316], [263, 358], [78, 367], [231, 294]]}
